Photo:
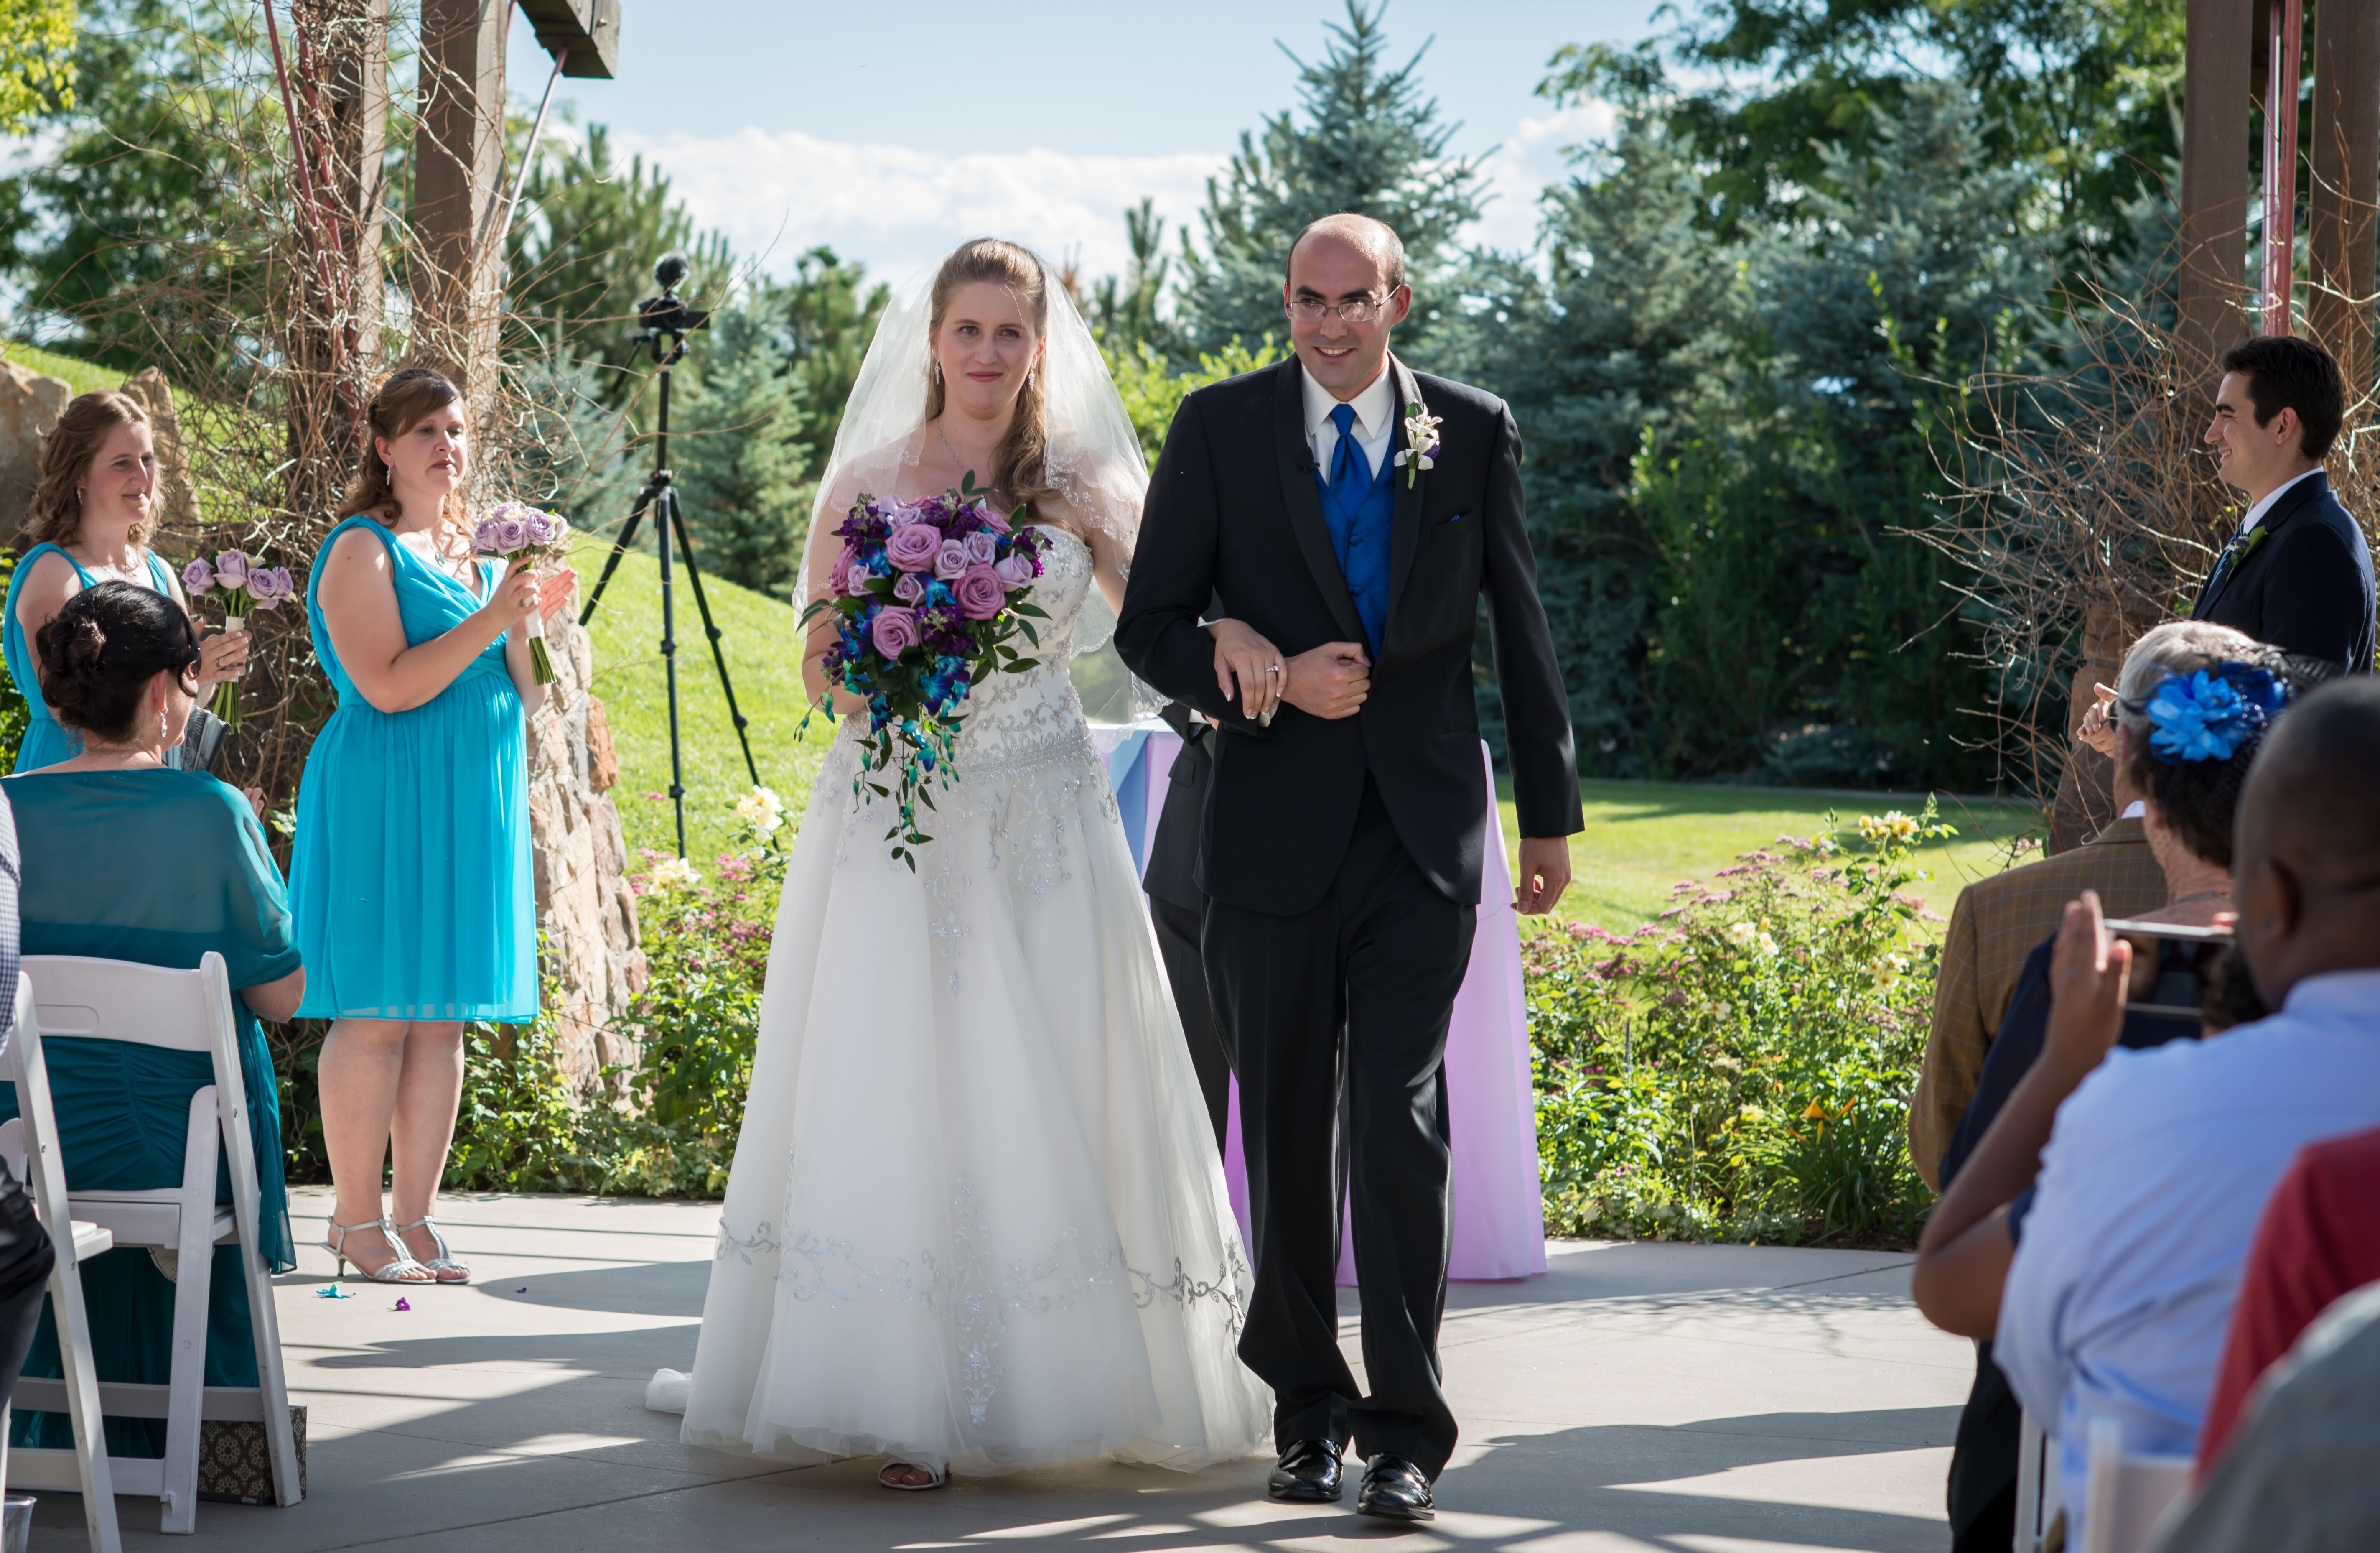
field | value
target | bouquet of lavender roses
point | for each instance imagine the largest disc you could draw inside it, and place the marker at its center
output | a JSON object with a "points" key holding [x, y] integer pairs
{"points": [[222, 585], [510, 531], [926, 598]]}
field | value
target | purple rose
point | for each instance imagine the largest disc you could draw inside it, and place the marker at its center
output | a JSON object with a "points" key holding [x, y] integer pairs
{"points": [[270, 586], [993, 520], [951, 561], [838, 576], [198, 577], [982, 547], [541, 528], [1015, 570], [231, 569], [913, 546], [512, 535], [907, 589], [981, 593], [894, 630]]}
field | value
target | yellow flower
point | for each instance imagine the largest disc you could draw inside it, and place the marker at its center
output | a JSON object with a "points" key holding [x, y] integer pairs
{"points": [[763, 810], [675, 874]]}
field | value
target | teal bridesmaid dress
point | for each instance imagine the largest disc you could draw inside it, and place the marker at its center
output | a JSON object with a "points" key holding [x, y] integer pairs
{"points": [[409, 876], [46, 743], [159, 867]]}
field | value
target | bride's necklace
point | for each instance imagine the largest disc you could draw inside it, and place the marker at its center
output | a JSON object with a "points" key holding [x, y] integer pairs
{"points": [[948, 449]]}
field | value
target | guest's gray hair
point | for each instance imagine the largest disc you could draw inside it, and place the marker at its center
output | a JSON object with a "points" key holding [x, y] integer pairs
{"points": [[2176, 647]]}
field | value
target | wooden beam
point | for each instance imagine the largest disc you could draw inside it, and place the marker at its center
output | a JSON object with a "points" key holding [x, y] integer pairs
{"points": [[2340, 227], [2284, 62], [2216, 99], [457, 171]]}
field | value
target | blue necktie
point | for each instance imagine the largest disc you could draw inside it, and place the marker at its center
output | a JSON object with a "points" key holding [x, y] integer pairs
{"points": [[1351, 476]]}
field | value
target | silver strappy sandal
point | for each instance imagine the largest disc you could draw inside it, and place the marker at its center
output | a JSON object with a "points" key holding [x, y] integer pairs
{"points": [[442, 1264], [398, 1270]]}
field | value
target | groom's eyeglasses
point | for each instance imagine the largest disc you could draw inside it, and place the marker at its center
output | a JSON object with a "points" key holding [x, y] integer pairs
{"points": [[1355, 309]]}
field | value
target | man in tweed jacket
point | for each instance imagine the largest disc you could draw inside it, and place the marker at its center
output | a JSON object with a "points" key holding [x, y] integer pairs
{"points": [[1997, 922]]}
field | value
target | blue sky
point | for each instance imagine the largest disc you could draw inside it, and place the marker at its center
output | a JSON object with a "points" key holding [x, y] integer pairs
{"points": [[895, 130]]}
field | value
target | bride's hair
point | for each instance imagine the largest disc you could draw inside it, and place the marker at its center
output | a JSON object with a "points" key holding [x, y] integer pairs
{"points": [[1021, 472]]}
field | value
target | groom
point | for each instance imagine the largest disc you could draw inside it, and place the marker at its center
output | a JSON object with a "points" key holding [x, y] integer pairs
{"points": [[1343, 826]]}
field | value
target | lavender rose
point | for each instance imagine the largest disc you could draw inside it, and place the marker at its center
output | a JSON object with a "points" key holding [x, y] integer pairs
{"points": [[913, 546], [993, 520], [839, 579], [198, 577], [894, 630], [950, 561], [231, 569], [512, 535], [982, 548], [981, 593], [1015, 570], [907, 589]]}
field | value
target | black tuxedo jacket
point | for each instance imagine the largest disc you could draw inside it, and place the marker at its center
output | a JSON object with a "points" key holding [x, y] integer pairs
{"points": [[1232, 514], [2306, 586], [1173, 871]]}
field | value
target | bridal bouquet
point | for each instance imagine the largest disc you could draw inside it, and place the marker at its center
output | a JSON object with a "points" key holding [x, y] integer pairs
{"points": [[233, 574], [514, 530], [925, 595]]}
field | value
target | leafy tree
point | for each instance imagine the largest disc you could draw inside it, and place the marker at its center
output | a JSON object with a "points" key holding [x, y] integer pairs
{"points": [[37, 60], [744, 483], [829, 315], [1366, 140], [570, 450], [1123, 310]]}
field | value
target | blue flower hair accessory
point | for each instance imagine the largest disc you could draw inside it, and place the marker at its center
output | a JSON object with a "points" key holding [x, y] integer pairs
{"points": [[2210, 714]]}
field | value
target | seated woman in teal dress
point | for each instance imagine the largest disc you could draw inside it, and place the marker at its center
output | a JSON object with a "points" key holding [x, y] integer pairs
{"points": [[89, 518], [409, 876], [125, 858]]}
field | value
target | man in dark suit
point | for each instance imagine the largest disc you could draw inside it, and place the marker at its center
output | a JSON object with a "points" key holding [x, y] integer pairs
{"points": [[1177, 904], [1354, 513], [2297, 574]]}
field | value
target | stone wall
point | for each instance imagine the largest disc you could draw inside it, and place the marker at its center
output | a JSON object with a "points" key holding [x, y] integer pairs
{"points": [[585, 907], [30, 405]]}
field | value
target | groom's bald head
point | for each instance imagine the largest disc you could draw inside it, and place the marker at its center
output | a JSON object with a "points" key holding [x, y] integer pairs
{"points": [[1374, 239]]}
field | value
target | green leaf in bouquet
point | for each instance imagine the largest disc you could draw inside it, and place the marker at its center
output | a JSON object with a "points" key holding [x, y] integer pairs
{"points": [[1022, 607], [817, 608]]}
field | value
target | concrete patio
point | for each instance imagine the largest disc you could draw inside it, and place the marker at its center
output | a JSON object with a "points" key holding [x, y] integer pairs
{"points": [[1693, 1398]]}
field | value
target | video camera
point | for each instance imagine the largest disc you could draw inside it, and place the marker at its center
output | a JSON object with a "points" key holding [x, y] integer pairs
{"points": [[666, 320]]}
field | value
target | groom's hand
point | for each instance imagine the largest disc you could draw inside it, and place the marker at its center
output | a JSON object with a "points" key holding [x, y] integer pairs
{"points": [[1545, 874], [1331, 682]]}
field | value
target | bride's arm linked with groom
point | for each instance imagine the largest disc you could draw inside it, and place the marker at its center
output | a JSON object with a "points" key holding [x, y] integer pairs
{"points": [[1353, 513]]}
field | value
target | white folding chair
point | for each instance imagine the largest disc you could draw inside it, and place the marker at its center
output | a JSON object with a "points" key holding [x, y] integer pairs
{"points": [[2036, 1487], [2127, 1497], [30, 1139], [182, 1011]]}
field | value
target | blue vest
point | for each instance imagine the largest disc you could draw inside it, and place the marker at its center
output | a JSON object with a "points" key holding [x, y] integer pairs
{"points": [[1360, 535]]}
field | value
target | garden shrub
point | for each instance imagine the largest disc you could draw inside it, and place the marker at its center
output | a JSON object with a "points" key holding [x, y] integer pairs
{"points": [[1739, 1067]]}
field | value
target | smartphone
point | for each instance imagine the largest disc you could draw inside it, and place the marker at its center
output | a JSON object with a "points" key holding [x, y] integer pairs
{"points": [[2170, 964]]}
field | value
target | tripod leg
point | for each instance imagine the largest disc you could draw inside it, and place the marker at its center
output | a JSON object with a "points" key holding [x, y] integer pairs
{"points": [[661, 525], [619, 548], [711, 629]]}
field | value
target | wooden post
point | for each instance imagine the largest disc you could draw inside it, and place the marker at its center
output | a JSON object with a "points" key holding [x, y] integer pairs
{"points": [[2285, 56], [2215, 139], [457, 172], [2340, 228]]}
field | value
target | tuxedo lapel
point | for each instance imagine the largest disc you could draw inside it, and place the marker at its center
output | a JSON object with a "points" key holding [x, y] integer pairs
{"points": [[1405, 532], [1305, 507], [2295, 501]]}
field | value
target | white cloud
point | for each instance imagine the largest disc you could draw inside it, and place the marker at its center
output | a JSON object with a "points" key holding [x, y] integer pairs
{"points": [[776, 194], [1531, 158]]}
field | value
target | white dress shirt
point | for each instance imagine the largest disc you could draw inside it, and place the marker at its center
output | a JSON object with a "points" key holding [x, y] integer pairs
{"points": [[1376, 412], [2257, 513], [2157, 1170]]}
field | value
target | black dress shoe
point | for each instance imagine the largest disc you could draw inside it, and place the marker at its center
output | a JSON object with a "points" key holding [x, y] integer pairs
{"points": [[1394, 1489], [1307, 1472]]}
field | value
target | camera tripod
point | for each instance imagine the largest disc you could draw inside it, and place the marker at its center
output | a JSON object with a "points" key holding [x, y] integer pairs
{"points": [[667, 321]]}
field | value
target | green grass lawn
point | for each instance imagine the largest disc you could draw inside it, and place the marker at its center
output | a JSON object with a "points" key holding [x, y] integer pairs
{"points": [[82, 376], [1642, 837], [764, 659]]}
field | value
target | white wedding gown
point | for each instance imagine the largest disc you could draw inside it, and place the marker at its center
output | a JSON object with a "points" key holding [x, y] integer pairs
{"points": [[977, 1220]]}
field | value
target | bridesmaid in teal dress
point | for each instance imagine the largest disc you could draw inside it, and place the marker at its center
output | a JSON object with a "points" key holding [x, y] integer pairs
{"points": [[125, 858], [409, 876], [91, 516]]}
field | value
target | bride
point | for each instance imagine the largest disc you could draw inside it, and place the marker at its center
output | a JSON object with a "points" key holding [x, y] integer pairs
{"points": [[977, 1221]]}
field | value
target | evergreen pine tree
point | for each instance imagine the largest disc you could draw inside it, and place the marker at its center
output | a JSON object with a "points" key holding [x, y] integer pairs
{"points": [[571, 455], [1366, 140], [744, 484]]}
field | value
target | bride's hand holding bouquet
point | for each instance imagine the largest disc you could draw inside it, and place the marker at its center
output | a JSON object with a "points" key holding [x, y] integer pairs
{"points": [[927, 597]]}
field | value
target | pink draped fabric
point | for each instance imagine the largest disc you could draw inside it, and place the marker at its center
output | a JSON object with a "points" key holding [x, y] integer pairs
{"points": [[1498, 1218]]}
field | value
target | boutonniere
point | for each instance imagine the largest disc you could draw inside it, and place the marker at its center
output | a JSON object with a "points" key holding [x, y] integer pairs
{"points": [[1420, 451], [2255, 537]]}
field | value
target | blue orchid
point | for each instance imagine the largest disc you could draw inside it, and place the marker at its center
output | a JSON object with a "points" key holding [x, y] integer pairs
{"points": [[2207, 715]]}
